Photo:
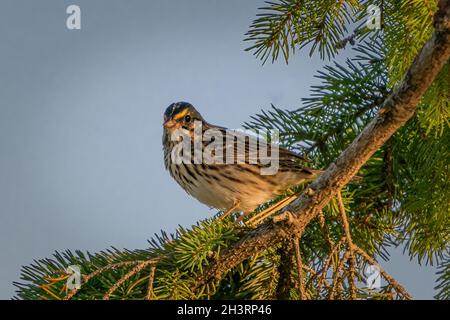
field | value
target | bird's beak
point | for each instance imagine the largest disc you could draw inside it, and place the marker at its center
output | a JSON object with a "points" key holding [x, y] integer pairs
{"points": [[170, 123]]}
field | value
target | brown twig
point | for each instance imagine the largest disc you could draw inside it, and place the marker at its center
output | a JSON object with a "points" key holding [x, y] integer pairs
{"points": [[337, 276], [298, 257], [285, 267], [385, 275], [323, 227], [324, 271], [88, 277], [150, 283], [131, 273], [351, 254]]}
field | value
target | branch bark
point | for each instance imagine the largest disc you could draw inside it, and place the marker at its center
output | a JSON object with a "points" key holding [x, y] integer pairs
{"points": [[301, 281], [396, 110], [285, 268], [348, 237]]}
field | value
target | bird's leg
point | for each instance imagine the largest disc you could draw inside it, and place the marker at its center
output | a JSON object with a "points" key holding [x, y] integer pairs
{"points": [[253, 221], [229, 211]]}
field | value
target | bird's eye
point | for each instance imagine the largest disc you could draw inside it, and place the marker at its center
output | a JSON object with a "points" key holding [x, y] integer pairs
{"points": [[187, 118]]}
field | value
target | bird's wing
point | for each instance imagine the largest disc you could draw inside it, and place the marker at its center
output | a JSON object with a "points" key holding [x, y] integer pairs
{"points": [[236, 142]]}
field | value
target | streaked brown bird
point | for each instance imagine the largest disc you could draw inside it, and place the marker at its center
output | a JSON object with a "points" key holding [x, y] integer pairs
{"points": [[229, 187]]}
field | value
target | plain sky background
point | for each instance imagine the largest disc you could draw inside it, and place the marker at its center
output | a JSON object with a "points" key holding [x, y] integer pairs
{"points": [[81, 163]]}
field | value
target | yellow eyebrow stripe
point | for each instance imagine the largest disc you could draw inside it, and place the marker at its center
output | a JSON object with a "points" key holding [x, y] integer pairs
{"points": [[181, 114]]}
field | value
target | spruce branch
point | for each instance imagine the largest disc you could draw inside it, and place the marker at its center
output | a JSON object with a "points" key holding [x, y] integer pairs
{"points": [[386, 275], [348, 237], [285, 25], [324, 230], [338, 277], [396, 110], [298, 258], [151, 280], [323, 273], [285, 268], [92, 275], [131, 273]]}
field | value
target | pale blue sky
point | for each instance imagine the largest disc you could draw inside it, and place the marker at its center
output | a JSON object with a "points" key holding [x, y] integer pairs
{"points": [[80, 119]]}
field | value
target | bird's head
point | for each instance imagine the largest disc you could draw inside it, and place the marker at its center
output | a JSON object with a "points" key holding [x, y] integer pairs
{"points": [[181, 115]]}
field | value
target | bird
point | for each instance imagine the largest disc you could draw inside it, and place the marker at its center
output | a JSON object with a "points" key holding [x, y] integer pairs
{"points": [[229, 187]]}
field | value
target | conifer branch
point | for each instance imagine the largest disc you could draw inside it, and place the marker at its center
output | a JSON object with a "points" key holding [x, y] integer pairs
{"points": [[131, 273], [348, 237], [338, 277], [385, 275], [323, 273], [285, 268], [298, 258], [150, 283], [396, 110], [92, 275]]}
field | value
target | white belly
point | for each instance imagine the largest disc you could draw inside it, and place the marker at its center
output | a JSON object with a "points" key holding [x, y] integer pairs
{"points": [[222, 194]]}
